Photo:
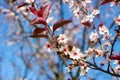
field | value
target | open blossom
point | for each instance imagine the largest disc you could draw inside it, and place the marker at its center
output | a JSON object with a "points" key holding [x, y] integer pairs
{"points": [[94, 36], [84, 71], [117, 20], [76, 54], [64, 49], [76, 12], [88, 1], [49, 19], [103, 29], [106, 36], [29, 1], [95, 12], [90, 17], [117, 69], [98, 52], [89, 51], [48, 46], [83, 68], [107, 43], [11, 14], [71, 4], [65, 1], [62, 39]]}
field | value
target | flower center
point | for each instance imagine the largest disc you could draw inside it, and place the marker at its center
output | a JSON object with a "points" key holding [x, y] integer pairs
{"points": [[62, 38], [48, 45], [64, 49], [102, 30], [75, 53]]}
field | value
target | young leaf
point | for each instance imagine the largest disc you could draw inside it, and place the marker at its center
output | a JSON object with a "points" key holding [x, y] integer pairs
{"points": [[43, 12], [106, 1], [39, 36], [38, 31], [36, 12], [46, 11], [86, 23], [39, 20], [61, 23]]}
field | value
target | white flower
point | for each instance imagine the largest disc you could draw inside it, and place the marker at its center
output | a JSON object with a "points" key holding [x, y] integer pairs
{"points": [[64, 49], [117, 69], [5, 10], [71, 4], [49, 19], [48, 46], [11, 14], [62, 39], [83, 20], [94, 36], [98, 52], [107, 43], [103, 29], [83, 68], [75, 53], [29, 1], [89, 51], [117, 20], [95, 12], [84, 71], [84, 4], [76, 12], [65, 1], [106, 36], [90, 17], [87, 1]]}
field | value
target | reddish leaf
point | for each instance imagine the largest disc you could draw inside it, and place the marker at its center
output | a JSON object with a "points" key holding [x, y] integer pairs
{"points": [[61, 23], [39, 36], [38, 31], [36, 12], [106, 1], [115, 57], [86, 23], [46, 10], [23, 4], [38, 20], [43, 12]]}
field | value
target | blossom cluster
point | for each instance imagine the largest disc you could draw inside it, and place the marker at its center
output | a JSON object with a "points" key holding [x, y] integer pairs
{"points": [[60, 43]]}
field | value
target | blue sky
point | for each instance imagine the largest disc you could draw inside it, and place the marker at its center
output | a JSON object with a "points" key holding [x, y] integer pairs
{"points": [[9, 55]]}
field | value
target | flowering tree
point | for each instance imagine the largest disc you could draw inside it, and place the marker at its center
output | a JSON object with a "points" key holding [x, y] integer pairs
{"points": [[84, 42]]}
